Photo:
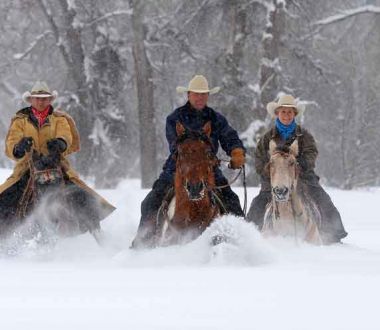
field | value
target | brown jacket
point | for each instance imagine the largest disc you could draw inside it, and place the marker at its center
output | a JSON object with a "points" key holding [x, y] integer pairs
{"points": [[307, 150]]}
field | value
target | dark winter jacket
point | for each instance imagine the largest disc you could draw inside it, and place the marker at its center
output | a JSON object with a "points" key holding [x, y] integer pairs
{"points": [[307, 155], [221, 132]]}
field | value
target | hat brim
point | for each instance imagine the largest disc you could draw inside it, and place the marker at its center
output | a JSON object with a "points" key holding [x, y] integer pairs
{"points": [[27, 95], [181, 89], [272, 106]]}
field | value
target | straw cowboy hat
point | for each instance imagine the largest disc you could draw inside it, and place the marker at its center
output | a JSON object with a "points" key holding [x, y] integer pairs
{"points": [[40, 89], [198, 84], [287, 101]]}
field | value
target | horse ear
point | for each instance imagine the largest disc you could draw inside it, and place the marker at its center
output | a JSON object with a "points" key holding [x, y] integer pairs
{"points": [[272, 147], [207, 128], [180, 129], [294, 148]]}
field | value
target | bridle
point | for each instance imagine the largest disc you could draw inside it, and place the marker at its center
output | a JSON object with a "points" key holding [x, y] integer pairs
{"points": [[212, 159], [292, 187], [195, 135]]}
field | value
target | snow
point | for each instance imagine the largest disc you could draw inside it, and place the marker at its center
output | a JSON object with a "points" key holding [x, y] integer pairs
{"points": [[257, 284]]}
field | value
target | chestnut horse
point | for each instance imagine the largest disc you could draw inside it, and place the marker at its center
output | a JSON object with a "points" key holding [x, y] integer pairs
{"points": [[195, 202], [291, 212]]}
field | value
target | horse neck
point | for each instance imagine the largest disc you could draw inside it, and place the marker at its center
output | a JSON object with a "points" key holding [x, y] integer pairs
{"points": [[283, 210]]}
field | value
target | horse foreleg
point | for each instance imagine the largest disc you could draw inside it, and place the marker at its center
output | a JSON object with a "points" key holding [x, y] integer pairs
{"points": [[312, 233], [267, 228]]}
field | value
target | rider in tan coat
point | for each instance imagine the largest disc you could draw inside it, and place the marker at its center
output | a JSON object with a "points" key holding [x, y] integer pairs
{"points": [[40, 138]]}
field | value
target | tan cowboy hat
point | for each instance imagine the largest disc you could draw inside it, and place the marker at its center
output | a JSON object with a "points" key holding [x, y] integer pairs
{"points": [[198, 84], [40, 89], [285, 101]]}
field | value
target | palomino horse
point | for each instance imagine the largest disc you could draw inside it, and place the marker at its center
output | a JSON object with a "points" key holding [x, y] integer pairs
{"points": [[196, 204], [291, 212]]}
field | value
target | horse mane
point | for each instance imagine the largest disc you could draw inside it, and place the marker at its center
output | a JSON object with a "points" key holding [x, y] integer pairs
{"points": [[282, 148]]}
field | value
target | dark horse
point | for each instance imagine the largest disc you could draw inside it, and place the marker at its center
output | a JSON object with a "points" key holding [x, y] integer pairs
{"points": [[291, 212], [49, 205], [195, 203]]}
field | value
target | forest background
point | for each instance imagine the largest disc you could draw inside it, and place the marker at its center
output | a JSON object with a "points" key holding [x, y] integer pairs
{"points": [[116, 65]]}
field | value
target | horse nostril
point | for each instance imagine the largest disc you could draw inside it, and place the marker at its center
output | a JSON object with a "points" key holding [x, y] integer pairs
{"points": [[280, 191]]}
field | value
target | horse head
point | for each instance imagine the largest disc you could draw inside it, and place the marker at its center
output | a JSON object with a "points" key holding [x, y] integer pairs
{"points": [[283, 170], [195, 162]]}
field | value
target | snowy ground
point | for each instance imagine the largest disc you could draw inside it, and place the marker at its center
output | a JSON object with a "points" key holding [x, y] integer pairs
{"points": [[261, 285]]}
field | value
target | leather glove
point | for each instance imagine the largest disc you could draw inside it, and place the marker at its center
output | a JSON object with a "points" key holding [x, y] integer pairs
{"points": [[56, 146], [22, 147], [302, 163], [237, 158]]}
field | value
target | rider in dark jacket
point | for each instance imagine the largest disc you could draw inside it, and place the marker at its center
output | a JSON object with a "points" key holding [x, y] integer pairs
{"points": [[286, 131], [193, 116]]}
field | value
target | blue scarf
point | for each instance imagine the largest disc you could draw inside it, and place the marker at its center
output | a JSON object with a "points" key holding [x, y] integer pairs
{"points": [[286, 131]]}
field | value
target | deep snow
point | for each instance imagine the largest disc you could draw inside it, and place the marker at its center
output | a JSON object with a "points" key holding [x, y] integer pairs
{"points": [[258, 284]]}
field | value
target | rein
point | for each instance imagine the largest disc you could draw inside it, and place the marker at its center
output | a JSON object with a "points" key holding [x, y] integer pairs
{"points": [[242, 170], [234, 179]]}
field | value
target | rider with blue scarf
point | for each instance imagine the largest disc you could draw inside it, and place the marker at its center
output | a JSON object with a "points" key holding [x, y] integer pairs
{"points": [[285, 131]]}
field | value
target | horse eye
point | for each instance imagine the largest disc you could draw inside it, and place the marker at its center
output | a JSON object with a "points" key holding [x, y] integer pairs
{"points": [[291, 163]]}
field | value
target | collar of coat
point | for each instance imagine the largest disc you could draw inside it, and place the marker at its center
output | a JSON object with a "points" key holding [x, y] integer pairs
{"points": [[27, 112], [276, 134], [190, 111]]}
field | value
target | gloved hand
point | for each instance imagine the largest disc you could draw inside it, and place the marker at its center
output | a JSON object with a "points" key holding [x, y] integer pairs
{"points": [[237, 158], [22, 147], [302, 163], [56, 146]]}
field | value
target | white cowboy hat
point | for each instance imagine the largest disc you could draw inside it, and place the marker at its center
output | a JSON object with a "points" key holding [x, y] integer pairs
{"points": [[285, 101], [198, 84], [40, 89]]}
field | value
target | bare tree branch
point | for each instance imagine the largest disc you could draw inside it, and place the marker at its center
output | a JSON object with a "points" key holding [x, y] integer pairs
{"points": [[347, 14], [33, 44], [107, 16]]}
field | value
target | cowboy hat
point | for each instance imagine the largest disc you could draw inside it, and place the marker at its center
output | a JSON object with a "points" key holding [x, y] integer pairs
{"points": [[198, 84], [40, 89], [287, 101]]}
